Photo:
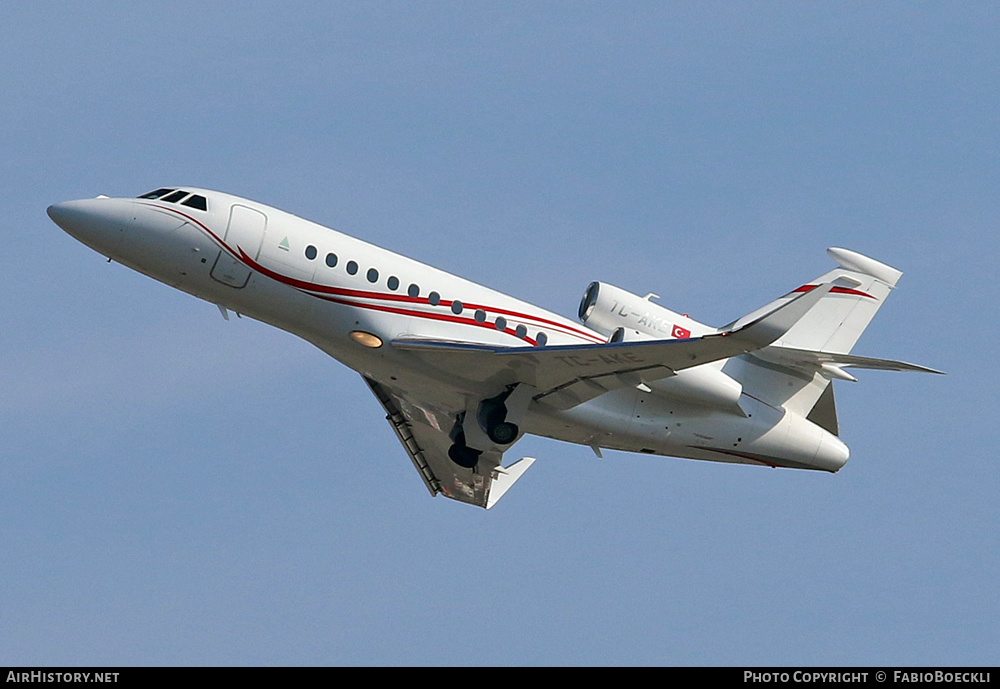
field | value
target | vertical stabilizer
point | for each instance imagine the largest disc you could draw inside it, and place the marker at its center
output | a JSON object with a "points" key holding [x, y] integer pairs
{"points": [[834, 324], [861, 285]]}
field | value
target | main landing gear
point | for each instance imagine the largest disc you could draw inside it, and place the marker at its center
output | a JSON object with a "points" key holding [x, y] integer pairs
{"points": [[503, 433], [492, 418], [492, 428]]}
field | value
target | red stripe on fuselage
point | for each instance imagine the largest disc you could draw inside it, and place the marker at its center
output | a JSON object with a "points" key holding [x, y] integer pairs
{"points": [[306, 286], [313, 287], [196, 222], [430, 316]]}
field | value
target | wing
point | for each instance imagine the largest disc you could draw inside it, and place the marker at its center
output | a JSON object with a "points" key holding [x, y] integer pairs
{"points": [[424, 434], [567, 375]]}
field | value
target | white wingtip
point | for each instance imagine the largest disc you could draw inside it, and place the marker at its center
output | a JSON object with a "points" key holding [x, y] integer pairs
{"points": [[505, 477]]}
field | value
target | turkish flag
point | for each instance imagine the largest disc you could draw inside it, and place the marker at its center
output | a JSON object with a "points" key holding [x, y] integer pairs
{"points": [[680, 333]]}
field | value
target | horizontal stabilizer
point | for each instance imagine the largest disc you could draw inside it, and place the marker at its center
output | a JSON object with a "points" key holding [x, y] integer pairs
{"points": [[830, 361]]}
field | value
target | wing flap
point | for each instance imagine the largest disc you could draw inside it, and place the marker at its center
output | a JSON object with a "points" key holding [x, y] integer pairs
{"points": [[404, 432]]}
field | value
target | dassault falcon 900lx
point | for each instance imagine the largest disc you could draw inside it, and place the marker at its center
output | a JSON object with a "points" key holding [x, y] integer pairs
{"points": [[464, 371]]}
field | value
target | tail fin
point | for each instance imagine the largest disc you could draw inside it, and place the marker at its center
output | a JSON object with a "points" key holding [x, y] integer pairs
{"points": [[861, 285], [832, 326]]}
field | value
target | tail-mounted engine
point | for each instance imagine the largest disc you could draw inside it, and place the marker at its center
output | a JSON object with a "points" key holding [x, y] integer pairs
{"points": [[606, 308], [625, 317]]}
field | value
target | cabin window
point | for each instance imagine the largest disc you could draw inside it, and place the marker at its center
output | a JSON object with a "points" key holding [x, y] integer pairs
{"points": [[541, 339], [456, 307], [196, 201], [501, 323], [310, 252], [352, 267], [331, 260], [434, 298], [521, 331], [156, 194], [480, 316], [413, 291], [175, 197], [393, 283], [372, 275]]}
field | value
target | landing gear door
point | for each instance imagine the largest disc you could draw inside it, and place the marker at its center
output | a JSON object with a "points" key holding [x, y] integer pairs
{"points": [[246, 232]]}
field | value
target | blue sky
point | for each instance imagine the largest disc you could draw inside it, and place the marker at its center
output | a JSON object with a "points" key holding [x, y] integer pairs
{"points": [[176, 489]]}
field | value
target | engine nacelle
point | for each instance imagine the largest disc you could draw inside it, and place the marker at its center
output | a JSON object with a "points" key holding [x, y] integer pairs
{"points": [[605, 308], [625, 317]]}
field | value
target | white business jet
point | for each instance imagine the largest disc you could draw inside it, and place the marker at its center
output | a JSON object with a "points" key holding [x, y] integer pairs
{"points": [[464, 371]]}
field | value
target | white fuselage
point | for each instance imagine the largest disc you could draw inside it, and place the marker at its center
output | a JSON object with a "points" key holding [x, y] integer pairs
{"points": [[323, 286]]}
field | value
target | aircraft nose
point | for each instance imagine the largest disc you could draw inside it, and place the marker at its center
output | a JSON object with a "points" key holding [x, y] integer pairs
{"points": [[61, 213], [91, 221], [76, 217]]}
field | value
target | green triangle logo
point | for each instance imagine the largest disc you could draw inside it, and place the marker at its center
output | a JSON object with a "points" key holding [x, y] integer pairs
{"points": [[284, 244]]}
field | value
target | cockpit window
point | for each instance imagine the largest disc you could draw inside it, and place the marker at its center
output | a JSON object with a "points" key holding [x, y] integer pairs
{"points": [[196, 201], [176, 196], [156, 194]]}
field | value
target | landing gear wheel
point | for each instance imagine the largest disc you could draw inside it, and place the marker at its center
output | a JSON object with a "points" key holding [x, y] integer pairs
{"points": [[503, 433], [463, 455]]}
